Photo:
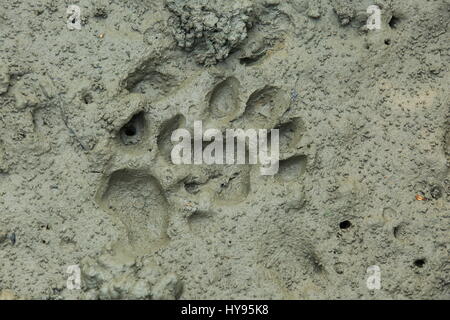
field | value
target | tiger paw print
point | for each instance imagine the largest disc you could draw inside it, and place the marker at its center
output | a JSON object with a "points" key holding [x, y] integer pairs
{"points": [[156, 200]]}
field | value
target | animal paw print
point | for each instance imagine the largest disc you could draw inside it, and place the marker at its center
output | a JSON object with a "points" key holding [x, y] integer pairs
{"points": [[157, 200]]}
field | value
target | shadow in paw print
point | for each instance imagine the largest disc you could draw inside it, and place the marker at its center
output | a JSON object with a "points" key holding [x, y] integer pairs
{"points": [[235, 186], [263, 108], [292, 168], [224, 100], [224, 187], [229, 184], [146, 79], [134, 130], [167, 128], [137, 199], [290, 133]]}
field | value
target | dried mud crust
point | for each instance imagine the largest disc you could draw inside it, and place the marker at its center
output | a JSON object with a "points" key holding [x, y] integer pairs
{"points": [[85, 170], [211, 28]]}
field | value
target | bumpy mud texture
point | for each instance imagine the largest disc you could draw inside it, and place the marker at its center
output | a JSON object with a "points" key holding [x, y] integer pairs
{"points": [[86, 176]]}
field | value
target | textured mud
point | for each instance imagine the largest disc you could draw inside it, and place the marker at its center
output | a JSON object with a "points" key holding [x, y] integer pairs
{"points": [[86, 177]]}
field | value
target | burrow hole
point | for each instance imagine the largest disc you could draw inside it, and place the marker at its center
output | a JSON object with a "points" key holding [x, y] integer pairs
{"points": [[133, 131], [419, 263], [87, 98], [393, 23], [345, 224], [130, 130]]}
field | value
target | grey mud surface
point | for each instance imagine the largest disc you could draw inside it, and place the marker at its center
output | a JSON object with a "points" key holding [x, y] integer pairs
{"points": [[85, 124]]}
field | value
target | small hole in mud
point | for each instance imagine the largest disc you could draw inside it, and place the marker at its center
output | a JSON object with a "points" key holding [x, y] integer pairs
{"points": [[436, 192], [387, 42], [419, 263], [250, 60], [133, 131], [87, 98], [130, 131], [394, 22], [191, 187], [345, 224], [396, 231]]}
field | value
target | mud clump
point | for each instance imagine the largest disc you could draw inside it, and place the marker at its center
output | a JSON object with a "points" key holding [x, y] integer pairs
{"points": [[110, 277], [209, 28], [344, 11]]}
